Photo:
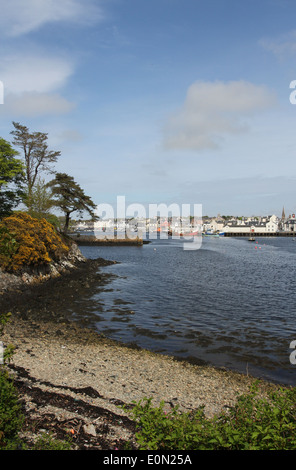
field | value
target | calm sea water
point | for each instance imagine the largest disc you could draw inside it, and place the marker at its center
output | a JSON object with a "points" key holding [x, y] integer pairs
{"points": [[231, 303]]}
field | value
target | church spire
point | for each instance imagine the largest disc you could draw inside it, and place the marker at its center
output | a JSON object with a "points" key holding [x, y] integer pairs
{"points": [[283, 214]]}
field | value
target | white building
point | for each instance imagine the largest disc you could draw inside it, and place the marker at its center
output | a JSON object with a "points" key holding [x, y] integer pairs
{"points": [[261, 225], [289, 225], [214, 225]]}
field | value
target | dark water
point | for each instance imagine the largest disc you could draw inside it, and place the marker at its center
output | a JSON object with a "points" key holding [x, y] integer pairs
{"points": [[231, 303]]}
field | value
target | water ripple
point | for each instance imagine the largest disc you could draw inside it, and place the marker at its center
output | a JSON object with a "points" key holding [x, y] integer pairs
{"points": [[230, 303]]}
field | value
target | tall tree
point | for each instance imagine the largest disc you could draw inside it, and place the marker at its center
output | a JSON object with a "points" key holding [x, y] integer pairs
{"points": [[11, 178], [41, 201], [36, 154], [70, 197]]}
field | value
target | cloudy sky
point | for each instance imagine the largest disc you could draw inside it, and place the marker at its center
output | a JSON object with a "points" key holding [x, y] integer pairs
{"points": [[162, 101]]}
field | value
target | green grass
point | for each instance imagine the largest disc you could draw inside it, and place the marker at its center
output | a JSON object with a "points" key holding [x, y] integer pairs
{"points": [[11, 418]]}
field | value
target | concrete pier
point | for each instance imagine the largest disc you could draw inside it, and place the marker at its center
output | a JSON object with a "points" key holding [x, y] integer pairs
{"points": [[92, 240], [260, 234]]}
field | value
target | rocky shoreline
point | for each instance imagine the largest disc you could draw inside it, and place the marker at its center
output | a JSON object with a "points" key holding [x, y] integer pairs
{"points": [[72, 380], [10, 282]]}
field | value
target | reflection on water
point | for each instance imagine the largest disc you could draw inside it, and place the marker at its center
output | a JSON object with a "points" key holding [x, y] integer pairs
{"points": [[232, 303]]}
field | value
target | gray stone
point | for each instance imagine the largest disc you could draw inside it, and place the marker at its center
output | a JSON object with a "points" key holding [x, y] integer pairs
{"points": [[90, 429]]}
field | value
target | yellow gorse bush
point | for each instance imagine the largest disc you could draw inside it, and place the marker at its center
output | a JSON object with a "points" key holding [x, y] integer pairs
{"points": [[26, 241]]}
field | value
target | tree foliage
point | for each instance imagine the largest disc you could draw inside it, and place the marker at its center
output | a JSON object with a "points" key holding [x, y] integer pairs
{"points": [[11, 417], [70, 197], [41, 200], [36, 154], [11, 178]]}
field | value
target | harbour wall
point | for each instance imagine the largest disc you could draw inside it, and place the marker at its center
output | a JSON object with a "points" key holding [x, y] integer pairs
{"points": [[260, 234], [92, 240]]}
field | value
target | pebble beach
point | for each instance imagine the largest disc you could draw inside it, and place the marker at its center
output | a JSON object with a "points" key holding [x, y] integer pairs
{"points": [[74, 380]]}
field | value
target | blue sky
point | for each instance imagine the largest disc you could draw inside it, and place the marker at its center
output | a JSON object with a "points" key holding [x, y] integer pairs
{"points": [[162, 101]]}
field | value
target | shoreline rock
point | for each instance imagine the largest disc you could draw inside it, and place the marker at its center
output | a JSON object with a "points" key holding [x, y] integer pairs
{"points": [[33, 275]]}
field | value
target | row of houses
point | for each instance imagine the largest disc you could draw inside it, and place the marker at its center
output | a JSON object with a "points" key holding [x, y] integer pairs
{"points": [[268, 224]]}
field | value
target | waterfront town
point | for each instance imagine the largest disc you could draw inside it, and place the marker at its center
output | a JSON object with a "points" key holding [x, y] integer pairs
{"points": [[219, 225]]}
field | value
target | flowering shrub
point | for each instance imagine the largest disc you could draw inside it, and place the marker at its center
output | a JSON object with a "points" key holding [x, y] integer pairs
{"points": [[26, 241]]}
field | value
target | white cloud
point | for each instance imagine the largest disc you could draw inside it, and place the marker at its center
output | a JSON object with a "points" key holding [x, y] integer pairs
{"points": [[20, 17], [213, 110], [70, 135], [31, 85], [282, 46], [33, 80], [32, 104], [28, 73]]}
